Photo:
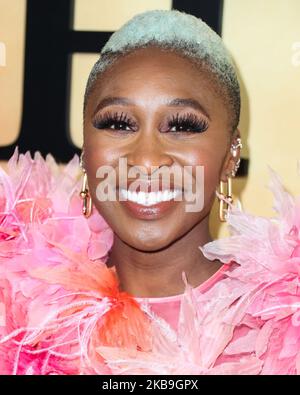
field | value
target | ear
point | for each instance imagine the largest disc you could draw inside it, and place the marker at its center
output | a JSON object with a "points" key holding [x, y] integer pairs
{"points": [[232, 157]]}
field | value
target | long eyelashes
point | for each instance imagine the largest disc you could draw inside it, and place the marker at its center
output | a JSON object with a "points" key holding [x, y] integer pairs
{"points": [[114, 121], [187, 123]]}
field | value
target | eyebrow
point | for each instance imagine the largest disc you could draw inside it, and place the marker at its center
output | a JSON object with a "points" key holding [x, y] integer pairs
{"points": [[177, 102]]}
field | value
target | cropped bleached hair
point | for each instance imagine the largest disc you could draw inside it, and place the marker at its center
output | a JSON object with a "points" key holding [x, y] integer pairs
{"points": [[178, 32]]}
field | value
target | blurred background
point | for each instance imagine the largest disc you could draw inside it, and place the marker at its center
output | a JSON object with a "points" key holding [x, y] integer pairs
{"points": [[48, 47]]}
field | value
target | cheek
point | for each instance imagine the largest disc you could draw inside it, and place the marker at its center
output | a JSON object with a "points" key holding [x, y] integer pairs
{"points": [[211, 160], [98, 154], [209, 154], [99, 150]]}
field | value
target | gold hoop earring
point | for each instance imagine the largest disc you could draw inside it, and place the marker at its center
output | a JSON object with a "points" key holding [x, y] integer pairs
{"points": [[86, 197], [224, 199]]}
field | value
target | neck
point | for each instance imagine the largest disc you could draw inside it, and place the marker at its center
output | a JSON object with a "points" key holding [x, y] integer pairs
{"points": [[159, 273]]}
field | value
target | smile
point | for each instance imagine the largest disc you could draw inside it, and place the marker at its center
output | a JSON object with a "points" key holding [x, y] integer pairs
{"points": [[150, 198]]}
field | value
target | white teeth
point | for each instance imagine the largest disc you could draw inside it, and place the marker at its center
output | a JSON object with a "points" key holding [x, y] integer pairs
{"points": [[124, 193], [165, 195], [141, 198], [152, 198], [135, 196], [148, 199]]}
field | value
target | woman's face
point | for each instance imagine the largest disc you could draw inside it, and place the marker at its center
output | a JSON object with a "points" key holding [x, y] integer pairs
{"points": [[154, 108]]}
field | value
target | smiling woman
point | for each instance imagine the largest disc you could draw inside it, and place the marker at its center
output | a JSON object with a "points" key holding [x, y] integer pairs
{"points": [[136, 284], [175, 119]]}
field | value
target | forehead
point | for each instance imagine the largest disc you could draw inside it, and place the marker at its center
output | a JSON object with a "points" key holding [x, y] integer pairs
{"points": [[151, 64], [150, 74], [154, 57]]}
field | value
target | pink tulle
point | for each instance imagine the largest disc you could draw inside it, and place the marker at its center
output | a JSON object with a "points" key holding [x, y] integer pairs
{"points": [[61, 310]]}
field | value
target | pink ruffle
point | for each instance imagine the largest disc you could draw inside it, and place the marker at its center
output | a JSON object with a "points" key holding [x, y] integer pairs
{"points": [[61, 311]]}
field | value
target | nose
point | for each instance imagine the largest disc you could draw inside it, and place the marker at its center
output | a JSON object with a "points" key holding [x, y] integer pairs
{"points": [[148, 154]]}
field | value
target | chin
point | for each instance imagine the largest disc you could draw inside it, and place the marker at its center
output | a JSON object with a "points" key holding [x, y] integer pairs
{"points": [[149, 244]]}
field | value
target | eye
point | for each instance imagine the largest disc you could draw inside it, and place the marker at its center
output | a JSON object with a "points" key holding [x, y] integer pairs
{"points": [[189, 123], [115, 121]]}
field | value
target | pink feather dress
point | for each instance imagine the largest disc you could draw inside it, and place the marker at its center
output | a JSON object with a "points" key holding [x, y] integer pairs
{"points": [[61, 311]]}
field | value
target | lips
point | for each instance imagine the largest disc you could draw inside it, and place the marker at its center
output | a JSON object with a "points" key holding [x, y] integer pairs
{"points": [[149, 199], [153, 211], [149, 205]]}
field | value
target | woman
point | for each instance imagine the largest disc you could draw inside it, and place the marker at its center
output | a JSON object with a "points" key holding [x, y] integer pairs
{"points": [[136, 285]]}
